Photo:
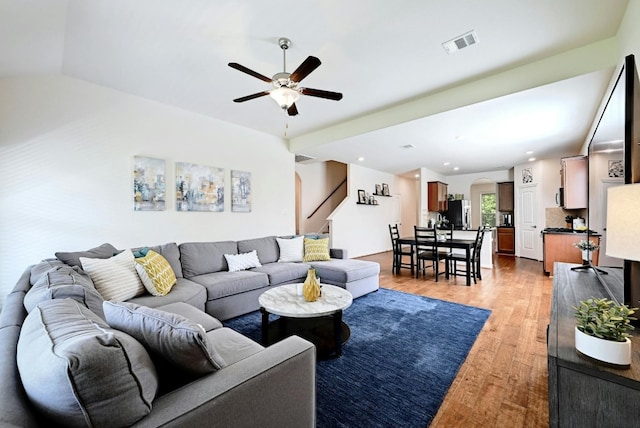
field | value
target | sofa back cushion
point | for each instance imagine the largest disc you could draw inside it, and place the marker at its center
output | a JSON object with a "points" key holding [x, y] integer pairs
{"points": [[266, 247], [199, 258], [64, 282], [104, 251], [43, 267], [79, 372]]}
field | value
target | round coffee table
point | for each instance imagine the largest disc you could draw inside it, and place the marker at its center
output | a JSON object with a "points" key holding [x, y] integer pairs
{"points": [[320, 322]]}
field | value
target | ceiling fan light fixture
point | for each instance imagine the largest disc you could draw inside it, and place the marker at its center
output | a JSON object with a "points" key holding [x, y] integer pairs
{"points": [[285, 97]]}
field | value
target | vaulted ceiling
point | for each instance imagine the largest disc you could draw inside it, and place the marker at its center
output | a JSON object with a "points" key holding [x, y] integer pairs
{"points": [[532, 82]]}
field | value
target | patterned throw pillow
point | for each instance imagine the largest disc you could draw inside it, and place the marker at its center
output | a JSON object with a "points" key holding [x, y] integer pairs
{"points": [[156, 273], [316, 250], [115, 278], [238, 262]]}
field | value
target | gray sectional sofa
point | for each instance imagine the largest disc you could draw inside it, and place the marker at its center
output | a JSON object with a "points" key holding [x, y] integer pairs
{"points": [[244, 383]]}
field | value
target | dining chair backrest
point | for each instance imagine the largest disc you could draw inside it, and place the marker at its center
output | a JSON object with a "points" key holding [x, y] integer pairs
{"points": [[478, 244], [394, 232], [425, 239]]}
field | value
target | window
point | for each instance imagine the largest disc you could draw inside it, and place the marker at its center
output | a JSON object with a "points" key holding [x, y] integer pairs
{"points": [[488, 209]]}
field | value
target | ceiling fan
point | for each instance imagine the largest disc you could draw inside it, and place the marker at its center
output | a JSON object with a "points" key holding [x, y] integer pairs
{"points": [[285, 85]]}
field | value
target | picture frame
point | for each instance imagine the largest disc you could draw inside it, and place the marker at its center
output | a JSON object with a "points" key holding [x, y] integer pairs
{"points": [[385, 189], [240, 191], [378, 189], [199, 188], [527, 176], [149, 184], [616, 168], [362, 197]]}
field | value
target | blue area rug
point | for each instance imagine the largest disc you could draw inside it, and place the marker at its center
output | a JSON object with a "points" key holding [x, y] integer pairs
{"points": [[403, 354]]}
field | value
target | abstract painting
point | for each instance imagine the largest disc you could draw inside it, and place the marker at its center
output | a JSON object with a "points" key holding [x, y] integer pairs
{"points": [[148, 184], [616, 168], [240, 191], [199, 187]]}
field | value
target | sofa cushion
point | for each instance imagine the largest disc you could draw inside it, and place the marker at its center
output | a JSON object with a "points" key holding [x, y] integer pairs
{"points": [[63, 350], [223, 284], [64, 282], [168, 336], [232, 345], [184, 291], [282, 273], [199, 258], [104, 251], [115, 278], [196, 315], [43, 267], [291, 249], [316, 250], [343, 271], [242, 261], [267, 248], [156, 273]]}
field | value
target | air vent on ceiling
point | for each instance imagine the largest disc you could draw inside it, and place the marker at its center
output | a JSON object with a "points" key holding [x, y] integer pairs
{"points": [[407, 146], [460, 42], [303, 158]]}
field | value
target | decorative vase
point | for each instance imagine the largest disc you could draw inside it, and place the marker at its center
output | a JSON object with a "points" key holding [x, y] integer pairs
{"points": [[608, 351], [586, 256], [311, 287]]}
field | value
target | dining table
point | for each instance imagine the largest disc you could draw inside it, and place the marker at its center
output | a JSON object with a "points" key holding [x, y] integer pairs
{"points": [[463, 244]]}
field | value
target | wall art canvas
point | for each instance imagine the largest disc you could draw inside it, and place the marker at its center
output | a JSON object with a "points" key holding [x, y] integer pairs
{"points": [[240, 191], [527, 176], [199, 187], [148, 184], [616, 168]]}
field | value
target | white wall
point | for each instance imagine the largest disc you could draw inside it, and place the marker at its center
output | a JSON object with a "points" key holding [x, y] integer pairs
{"points": [[66, 149], [363, 229]]}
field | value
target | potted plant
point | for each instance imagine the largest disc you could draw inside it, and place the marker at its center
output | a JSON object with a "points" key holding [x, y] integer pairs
{"points": [[587, 247], [602, 330]]}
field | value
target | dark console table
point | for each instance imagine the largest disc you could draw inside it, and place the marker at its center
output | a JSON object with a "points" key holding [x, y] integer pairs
{"points": [[583, 393]]}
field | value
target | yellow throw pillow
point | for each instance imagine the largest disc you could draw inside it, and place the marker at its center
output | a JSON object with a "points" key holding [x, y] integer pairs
{"points": [[316, 250], [156, 273]]}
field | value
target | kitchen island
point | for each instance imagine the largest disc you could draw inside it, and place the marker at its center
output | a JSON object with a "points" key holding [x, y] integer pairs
{"points": [[486, 252]]}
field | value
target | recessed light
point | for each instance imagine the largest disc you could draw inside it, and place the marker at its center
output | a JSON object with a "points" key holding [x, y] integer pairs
{"points": [[528, 152], [417, 176], [532, 159], [455, 168], [360, 158], [446, 163]]}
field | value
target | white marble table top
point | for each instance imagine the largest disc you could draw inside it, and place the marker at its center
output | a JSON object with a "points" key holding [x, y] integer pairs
{"points": [[284, 301]]}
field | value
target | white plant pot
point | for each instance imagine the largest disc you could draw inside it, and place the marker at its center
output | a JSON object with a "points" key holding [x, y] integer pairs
{"points": [[611, 352], [586, 255]]}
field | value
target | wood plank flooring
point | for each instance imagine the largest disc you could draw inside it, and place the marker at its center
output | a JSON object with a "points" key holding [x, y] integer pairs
{"points": [[504, 379]]}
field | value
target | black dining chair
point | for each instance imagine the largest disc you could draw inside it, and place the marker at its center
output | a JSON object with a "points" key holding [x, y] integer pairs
{"points": [[427, 251], [400, 251], [458, 260]]}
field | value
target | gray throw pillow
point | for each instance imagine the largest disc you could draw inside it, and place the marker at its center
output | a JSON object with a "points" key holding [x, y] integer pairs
{"points": [[64, 282], [77, 371], [104, 251], [178, 341]]}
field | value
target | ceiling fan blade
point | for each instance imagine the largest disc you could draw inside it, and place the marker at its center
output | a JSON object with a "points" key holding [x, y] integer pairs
{"points": [[249, 71], [293, 110], [336, 96], [250, 97], [307, 66]]}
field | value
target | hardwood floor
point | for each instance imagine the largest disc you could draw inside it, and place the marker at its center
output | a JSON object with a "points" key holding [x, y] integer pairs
{"points": [[504, 379]]}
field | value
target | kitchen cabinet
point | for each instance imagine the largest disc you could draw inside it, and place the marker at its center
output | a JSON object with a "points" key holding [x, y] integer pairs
{"points": [[574, 181], [505, 196], [437, 196], [559, 247], [506, 237]]}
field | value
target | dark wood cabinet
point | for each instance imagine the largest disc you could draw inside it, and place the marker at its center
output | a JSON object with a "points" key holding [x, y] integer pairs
{"points": [[574, 181], [559, 247], [583, 393], [506, 237], [437, 196], [505, 196]]}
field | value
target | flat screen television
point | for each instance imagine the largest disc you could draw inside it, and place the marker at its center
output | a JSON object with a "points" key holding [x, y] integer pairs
{"points": [[614, 159]]}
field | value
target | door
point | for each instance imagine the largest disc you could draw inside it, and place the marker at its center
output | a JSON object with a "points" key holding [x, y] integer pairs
{"points": [[602, 227], [528, 234]]}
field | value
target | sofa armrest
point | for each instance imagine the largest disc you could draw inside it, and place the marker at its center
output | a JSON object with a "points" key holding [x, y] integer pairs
{"points": [[338, 253], [275, 387]]}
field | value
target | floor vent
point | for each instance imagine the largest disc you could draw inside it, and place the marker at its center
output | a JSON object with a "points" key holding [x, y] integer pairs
{"points": [[303, 158], [460, 42]]}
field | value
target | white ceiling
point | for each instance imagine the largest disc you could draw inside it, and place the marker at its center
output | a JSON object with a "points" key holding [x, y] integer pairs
{"points": [[516, 90]]}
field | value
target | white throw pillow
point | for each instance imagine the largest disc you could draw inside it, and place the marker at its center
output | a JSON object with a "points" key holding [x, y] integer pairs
{"points": [[291, 250], [115, 278], [238, 262]]}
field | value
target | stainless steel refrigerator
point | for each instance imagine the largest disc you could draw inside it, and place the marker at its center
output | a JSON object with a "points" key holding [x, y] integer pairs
{"points": [[459, 214]]}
